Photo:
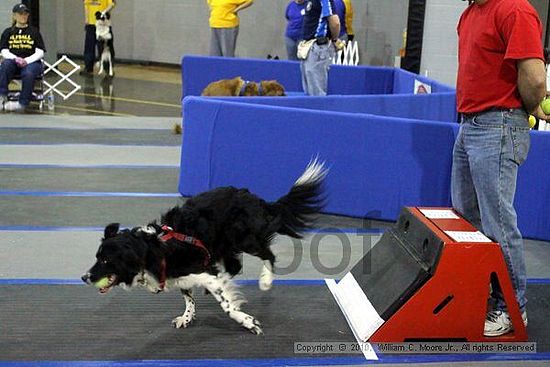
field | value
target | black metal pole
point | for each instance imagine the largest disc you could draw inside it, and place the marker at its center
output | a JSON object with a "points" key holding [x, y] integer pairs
{"points": [[415, 34], [547, 36]]}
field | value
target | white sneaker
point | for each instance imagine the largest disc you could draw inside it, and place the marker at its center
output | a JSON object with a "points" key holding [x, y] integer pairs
{"points": [[498, 323], [13, 107]]}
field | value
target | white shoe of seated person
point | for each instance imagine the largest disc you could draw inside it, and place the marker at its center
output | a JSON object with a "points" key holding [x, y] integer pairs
{"points": [[11, 106]]}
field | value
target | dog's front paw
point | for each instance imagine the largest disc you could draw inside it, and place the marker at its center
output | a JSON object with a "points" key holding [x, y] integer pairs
{"points": [[183, 321], [253, 325]]}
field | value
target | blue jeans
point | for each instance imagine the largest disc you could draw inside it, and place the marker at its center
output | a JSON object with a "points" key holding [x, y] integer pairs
{"points": [[291, 48], [488, 151], [29, 73], [315, 69]]}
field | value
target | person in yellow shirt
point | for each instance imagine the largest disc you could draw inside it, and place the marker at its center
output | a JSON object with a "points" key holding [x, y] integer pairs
{"points": [[349, 20], [90, 8], [224, 25]]}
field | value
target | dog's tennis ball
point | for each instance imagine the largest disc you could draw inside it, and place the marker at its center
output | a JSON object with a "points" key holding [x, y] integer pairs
{"points": [[545, 105], [102, 283], [532, 121]]}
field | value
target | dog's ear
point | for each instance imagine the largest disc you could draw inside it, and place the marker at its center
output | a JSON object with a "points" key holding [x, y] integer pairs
{"points": [[111, 230], [108, 15], [97, 14]]}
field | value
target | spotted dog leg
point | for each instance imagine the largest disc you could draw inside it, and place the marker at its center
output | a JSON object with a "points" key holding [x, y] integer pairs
{"points": [[230, 301], [188, 316]]}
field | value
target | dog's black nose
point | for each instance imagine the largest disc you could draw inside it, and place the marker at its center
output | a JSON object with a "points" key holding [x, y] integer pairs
{"points": [[85, 278]]}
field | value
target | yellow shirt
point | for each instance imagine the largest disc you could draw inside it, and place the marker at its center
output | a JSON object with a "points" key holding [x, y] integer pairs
{"points": [[349, 17], [92, 6], [222, 13]]}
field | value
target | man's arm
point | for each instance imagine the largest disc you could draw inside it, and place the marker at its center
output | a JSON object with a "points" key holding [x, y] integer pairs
{"points": [[334, 26], [243, 6], [85, 12], [532, 86]]}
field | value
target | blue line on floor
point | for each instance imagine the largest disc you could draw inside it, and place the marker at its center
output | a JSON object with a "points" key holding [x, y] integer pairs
{"points": [[83, 128], [133, 144], [343, 230], [305, 361], [27, 281], [242, 282], [544, 281], [20, 228], [109, 166], [89, 194]]}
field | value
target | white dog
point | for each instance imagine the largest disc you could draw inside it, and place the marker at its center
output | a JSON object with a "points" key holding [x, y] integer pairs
{"points": [[104, 36]]}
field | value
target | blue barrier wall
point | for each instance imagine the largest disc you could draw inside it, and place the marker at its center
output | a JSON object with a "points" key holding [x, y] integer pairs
{"points": [[377, 164], [533, 189], [386, 147], [436, 107], [199, 71], [404, 83], [360, 80]]}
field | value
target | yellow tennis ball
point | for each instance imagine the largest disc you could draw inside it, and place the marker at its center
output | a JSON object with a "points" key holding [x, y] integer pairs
{"points": [[545, 105], [102, 283], [532, 121]]}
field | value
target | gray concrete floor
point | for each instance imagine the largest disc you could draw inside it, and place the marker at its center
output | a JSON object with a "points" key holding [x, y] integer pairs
{"points": [[46, 234]]}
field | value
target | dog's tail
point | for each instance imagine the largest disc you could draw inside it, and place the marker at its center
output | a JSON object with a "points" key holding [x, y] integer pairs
{"points": [[305, 199]]}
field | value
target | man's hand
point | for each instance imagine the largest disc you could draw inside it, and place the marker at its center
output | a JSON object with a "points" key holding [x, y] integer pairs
{"points": [[539, 113], [339, 45]]}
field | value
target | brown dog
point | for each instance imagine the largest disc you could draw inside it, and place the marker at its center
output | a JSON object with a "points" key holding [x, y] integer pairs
{"points": [[238, 87]]}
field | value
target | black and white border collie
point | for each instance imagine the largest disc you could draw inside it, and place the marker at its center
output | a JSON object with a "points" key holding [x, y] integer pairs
{"points": [[199, 244], [104, 39]]}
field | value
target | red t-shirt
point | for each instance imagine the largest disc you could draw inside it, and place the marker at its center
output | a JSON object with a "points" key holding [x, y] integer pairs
{"points": [[492, 38]]}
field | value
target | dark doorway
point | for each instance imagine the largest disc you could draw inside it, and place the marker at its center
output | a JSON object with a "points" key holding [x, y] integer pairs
{"points": [[34, 6], [415, 34]]}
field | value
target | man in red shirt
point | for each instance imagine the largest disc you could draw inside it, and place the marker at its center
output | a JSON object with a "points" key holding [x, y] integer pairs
{"points": [[501, 80]]}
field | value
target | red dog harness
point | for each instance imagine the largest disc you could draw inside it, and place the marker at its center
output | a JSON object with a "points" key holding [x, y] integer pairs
{"points": [[169, 234]]}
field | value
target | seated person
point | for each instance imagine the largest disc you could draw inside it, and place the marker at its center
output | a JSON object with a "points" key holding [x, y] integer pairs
{"points": [[22, 49]]}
